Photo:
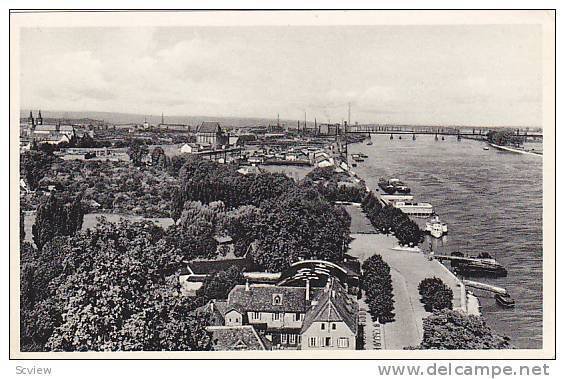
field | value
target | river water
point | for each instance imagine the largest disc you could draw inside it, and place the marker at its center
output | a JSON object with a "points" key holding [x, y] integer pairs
{"points": [[492, 202]]}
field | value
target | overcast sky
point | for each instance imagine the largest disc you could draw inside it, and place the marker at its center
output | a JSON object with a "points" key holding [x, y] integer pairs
{"points": [[466, 75]]}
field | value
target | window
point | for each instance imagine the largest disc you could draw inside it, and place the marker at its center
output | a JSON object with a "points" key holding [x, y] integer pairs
{"points": [[312, 341], [322, 342], [255, 315], [323, 326], [298, 316], [343, 342], [292, 339], [277, 299], [283, 338], [328, 341], [277, 316], [334, 326]]}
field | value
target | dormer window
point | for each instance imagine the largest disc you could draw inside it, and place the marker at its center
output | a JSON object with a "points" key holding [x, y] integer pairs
{"points": [[277, 299]]}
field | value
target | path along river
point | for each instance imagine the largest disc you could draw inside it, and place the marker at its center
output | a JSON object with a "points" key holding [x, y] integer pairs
{"points": [[492, 202]]}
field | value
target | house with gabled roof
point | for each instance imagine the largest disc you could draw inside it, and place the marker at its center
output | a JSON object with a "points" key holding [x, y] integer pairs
{"points": [[332, 322]]}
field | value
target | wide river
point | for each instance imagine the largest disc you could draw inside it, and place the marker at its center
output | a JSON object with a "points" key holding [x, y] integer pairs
{"points": [[492, 202]]}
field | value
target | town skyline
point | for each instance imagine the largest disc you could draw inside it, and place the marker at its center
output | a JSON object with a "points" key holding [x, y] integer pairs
{"points": [[127, 117]]}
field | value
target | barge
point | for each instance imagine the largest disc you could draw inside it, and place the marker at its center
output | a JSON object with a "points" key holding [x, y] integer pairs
{"points": [[415, 209]]}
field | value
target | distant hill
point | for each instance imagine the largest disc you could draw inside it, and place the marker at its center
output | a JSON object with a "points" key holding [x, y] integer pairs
{"points": [[130, 118]]}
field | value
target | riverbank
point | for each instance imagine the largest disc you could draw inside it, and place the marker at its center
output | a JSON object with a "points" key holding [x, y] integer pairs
{"points": [[514, 150]]}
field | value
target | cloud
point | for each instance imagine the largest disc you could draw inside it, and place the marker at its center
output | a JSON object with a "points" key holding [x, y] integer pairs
{"points": [[415, 75]]}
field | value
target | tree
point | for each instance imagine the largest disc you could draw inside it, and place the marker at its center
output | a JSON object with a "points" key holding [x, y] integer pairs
{"points": [[34, 165], [436, 295], [408, 233], [300, 224], [118, 294], [136, 151], [54, 218], [454, 330], [158, 157], [195, 232], [220, 284], [240, 224], [376, 281]]}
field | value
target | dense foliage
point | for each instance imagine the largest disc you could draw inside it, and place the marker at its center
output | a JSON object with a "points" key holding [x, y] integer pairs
{"points": [[388, 219], [112, 288], [219, 285], [113, 185], [504, 137], [454, 330], [207, 181], [55, 218], [435, 294], [281, 220], [34, 166], [377, 284], [300, 225], [137, 150]]}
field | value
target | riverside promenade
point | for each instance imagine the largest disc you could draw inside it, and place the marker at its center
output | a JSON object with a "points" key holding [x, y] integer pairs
{"points": [[408, 269]]}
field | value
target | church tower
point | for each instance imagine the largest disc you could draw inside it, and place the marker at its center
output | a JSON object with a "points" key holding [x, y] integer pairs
{"points": [[39, 118]]}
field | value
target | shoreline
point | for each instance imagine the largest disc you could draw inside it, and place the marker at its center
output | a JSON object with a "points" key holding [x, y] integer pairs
{"points": [[512, 150]]}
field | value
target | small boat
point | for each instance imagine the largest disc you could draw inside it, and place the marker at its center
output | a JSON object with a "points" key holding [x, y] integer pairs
{"points": [[486, 148], [363, 155], [505, 300], [369, 143], [354, 165], [435, 227]]}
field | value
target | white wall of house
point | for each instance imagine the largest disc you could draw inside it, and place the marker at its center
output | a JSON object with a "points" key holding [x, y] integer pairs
{"points": [[317, 337], [282, 320], [233, 318]]}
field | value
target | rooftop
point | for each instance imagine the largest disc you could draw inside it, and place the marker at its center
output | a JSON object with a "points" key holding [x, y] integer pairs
{"points": [[209, 127], [258, 298], [243, 337], [333, 305]]}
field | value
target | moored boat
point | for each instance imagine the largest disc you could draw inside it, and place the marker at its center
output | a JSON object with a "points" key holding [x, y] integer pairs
{"points": [[393, 185], [505, 300], [436, 227], [481, 265], [415, 209]]}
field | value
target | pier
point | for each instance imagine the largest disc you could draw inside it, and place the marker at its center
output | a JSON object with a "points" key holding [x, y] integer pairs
{"points": [[485, 287]]}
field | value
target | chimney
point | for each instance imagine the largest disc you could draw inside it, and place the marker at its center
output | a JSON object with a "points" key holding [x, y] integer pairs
{"points": [[212, 306], [247, 285], [307, 289]]}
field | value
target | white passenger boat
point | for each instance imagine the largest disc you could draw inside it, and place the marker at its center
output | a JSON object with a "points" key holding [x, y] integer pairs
{"points": [[435, 227], [415, 209]]}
